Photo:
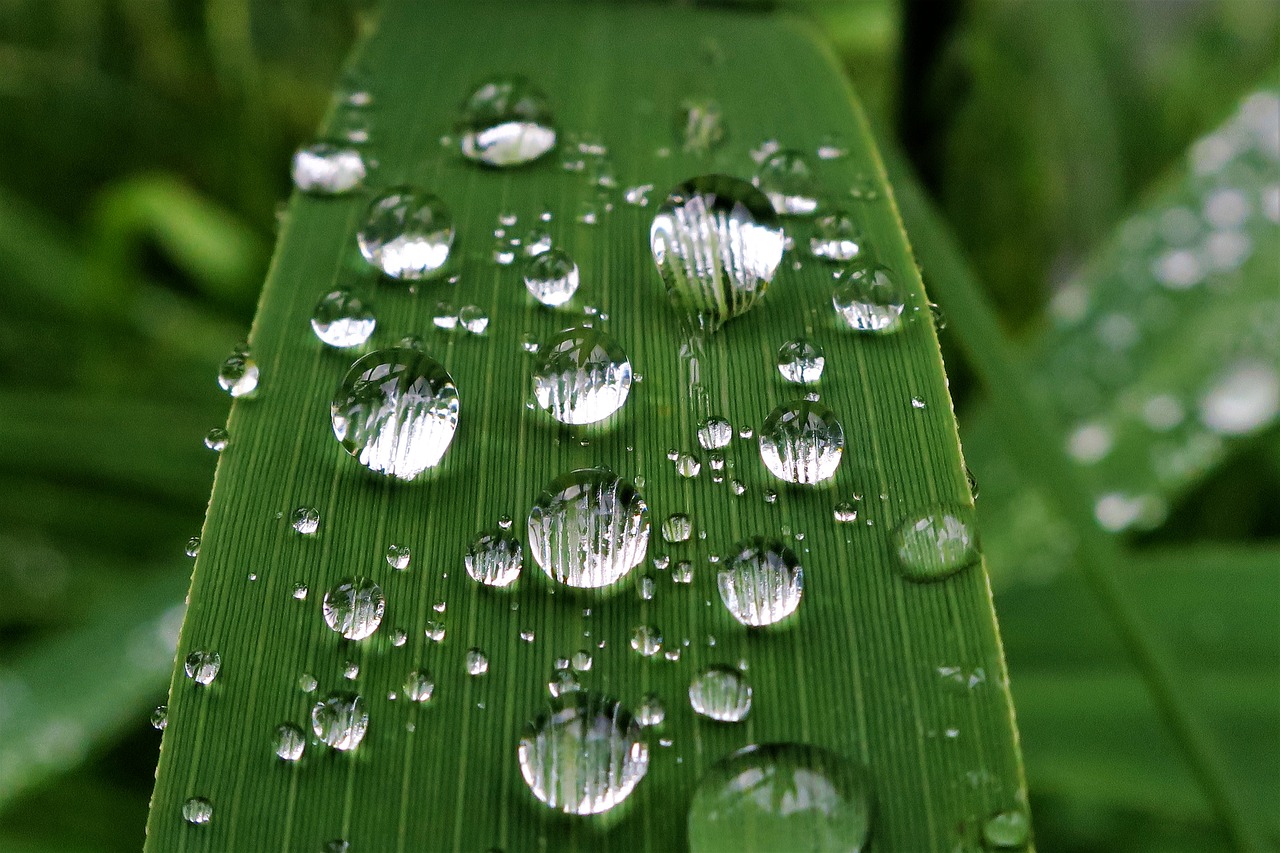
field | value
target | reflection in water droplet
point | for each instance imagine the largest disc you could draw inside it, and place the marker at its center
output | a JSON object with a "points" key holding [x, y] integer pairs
{"points": [[786, 178], [197, 811], [396, 411], [936, 543], [717, 244], [354, 608], [714, 433], [398, 556], [192, 548], [327, 169], [776, 797], [217, 439], [407, 233], [160, 718], [419, 686], [289, 742], [342, 320], [340, 720], [202, 666], [238, 375], [477, 661], [870, 300], [473, 319], [721, 693], [583, 755], [588, 528], [305, 520], [801, 361], [582, 376], [1007, 831], [678, 527], [551, 277], [651, 712], [647, 640], [762, 582], [802, 442], [494, 558], [844, 512], [506, 122], [836, 237]]}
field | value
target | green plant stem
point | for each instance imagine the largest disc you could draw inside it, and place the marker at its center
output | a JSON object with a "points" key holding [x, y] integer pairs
{"points": [[1034, 441]]}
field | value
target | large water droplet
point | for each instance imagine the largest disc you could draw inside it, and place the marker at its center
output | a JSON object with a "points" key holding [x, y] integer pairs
{"points": [[588, 528], [936, 543], [583, 755], [197, 811], [717, 244], [506, 122], [407, 233], [494, 558], [582, 376], [327, 169], [802, 442], [551, 277], [836, 237], [396, 411], [202, 666], [340, 720], [238, 375], [354, 608], [777, 797], [762, 582], [786, 178], [342, 320], [870, 299], [801, 361], [721, 693], [289, 742]]}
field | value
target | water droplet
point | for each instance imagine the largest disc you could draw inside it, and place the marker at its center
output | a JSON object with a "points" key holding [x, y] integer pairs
{"points": [[786, 178], [802, 442], [801, 361], [1007, 830], [583, 755], [551, 277], [936, 544], [645, 587], [477, 661], [714, 433], [407, 233], [327, 169], [307, 682], [762, 582], [781, 797], [340, 720], [717, 244], [238, 375], [419, 686], [342, 320], [217, 439], [562, 682], [399, 637], [651, 712], [1242, 400], [494, 558], [918, 403], [647, 640], [351, 670], [300, 591], [197, 811], [289, 742], [396, 411], [160, 718], [473, 319], [435, 631], [682, 572], [582, 376], [506, 122], [721, 693], [677, 527], [202, 666], [354, 608], [336, 845], [305, 520], [398, 556], [699, 125], [870, 300], [836, 237], [193, 546], [844, 512], [588, 528]]}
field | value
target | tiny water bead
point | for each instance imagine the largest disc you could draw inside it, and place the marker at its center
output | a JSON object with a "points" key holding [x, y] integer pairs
{"points": [[717, 243], [714, 433], [836, 237], [217, 439], [398, 556], [786, 178], [677, 527], [802, 442], [202, 666], [1008, 830], [354, 608], [646, 640], [407, 233], [396, 411], [936, 543], [650, 712], [160, 718], [844, 512], [762, 582], [340, 720], [870, 299], [192, 548], [324, 168], [238, 375], [506, 122], [197, 811], [494, 558], [419, 686], [801, 362], [289, 742], [305, 520], [720, 693], [772, 797], [551, 277], [582, 376], [699, 125], [473, 320], [589, 528], [342, 320], [477, 662], [583, 755]]}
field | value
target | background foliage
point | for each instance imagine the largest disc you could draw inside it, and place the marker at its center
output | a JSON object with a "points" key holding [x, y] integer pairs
{"points": [[143, 156]]}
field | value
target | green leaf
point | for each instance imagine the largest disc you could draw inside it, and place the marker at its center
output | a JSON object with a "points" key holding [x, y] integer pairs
{"points": [[857, 672]]}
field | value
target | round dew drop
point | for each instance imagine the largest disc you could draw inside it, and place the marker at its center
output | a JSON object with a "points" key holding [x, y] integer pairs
{"points": [[870, 299], [1007, 831], [407, 234], [762, 582], [398, 556], [505, 122], [419, 686], [217, 439], [340, 721], [714, 433], [342, 321], [936, 543], [836, 238], [677, 528], [646, 640], [324, 168], [495, 558], [477, 662], [289, 742], [582, 377], [197, 811], [238, 375], [354, 608], [583, 755], [787, 180], [651, 712], [305, 520], [551, 277], [801, 362], [589, 528], [721, 693], [202, 666], [802, 442]]}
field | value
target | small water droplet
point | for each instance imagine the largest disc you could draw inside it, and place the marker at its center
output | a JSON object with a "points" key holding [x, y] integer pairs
{"points": [[721, 693], [583, 755], [192, 548], [801, 361], [494, 558], [836, 237], [238, 375], [650, 712], [802, 442], [307, 682], [936, 543], [583, 376], [217, 439], [342, 320], [918, 403], [300, 591], [645, 587], [762, 583], [551, 277], [714, 433], [477, 661], [398, 556], [1244, 399], [160, 718], [1008, 830], [324, 168], [682, 572], [786, 178], [197, 811], [647, 640], [699, 125], [677, 527], [688, 466], [844, 512], [506, 122], [407, 233], [435, 631], [336, 845], [588, 528], [340, 720], [869, 299], [305, 520], [351, 670], [419, 686], [354, 608], [289, 742], [396, 411], [202, 666]]}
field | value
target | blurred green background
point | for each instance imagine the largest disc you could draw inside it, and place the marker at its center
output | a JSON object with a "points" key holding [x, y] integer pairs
{"points": [[144, 149]]}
